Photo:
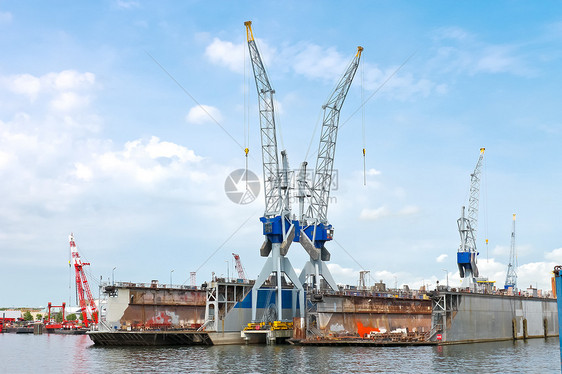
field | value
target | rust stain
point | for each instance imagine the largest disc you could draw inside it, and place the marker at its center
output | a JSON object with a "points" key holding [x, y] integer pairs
{"points": [[161, 319]]}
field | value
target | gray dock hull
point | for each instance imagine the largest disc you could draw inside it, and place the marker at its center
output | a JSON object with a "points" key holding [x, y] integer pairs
{"points": [[470, 317]]}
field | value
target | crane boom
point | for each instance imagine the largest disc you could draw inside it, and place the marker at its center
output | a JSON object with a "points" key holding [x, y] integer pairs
{"points": [[511, 276], [316, 230], [271, 175], [473, 201], [318, 208], [278, 227], [88, 307], [239, 267], [466, 256]]}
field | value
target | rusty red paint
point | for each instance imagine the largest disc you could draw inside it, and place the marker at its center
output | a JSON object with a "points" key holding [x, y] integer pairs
{"points": [[364, 330]]}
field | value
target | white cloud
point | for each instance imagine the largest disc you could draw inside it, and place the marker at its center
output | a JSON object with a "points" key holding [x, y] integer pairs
{"points": [[555, 255], [158, 149], [147, 163], [373, 172], [381, 212], [123, 4], [25, 84], [501, 251], [374, 214], [455, 33], [63, 85], [400, 85], [496, 59], [5, 17], [338, 271], [70, 79], [226, 54], [461, 52], [83, 172], [317, 62], [408, 210], [314, 61], [493, 270], [66, 101], [385, 275], [535, 274], [202, 114], [442, 257], [5, 159]]}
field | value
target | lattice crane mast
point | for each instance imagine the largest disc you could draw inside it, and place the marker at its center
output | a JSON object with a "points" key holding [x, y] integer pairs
{"points": [[278, 228], [467, 253], [87, 305], [239, 267], [511, 276], [316, 229]]}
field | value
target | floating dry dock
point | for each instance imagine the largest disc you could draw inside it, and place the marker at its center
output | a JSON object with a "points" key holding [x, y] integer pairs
{"points": [[464, 317], [219, 313]]}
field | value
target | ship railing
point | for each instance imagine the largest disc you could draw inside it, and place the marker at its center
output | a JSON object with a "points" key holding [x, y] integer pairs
{"points": [[206, 324], [104, 326], [313, 332], [149, 285], [368, 292], [434, 331]]}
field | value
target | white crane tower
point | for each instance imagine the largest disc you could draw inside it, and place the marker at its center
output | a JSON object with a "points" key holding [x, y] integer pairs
{"points": [[315, 227], [280, 227], [511, 276], [467, 253]]}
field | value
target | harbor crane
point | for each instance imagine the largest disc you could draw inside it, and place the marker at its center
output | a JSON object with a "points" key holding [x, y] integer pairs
{"points": [[278, 227], [315, 227], [239, 267], [87, 307], [312, 228], [467, 253], [511, 276]]}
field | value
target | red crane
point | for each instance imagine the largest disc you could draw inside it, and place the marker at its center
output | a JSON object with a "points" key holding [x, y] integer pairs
{"points": [[87, 307], [54, 325], [239, 267]]}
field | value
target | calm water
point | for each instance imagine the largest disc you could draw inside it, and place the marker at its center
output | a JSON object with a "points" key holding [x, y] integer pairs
{"points": [[76, 354]]}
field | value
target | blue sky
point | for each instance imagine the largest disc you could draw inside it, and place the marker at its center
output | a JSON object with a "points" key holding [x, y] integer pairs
{"points": [[97, 139]]}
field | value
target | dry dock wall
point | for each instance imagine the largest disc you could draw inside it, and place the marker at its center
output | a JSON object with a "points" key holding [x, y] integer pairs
{"points": [[477, 317], [140, 307], [360, 315]]}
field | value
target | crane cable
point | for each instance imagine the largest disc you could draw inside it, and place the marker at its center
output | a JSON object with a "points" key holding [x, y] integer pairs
{"points": [[380, 87], [246, 119], [363, 123], [313, 134], [320, 117], [486, 205]]}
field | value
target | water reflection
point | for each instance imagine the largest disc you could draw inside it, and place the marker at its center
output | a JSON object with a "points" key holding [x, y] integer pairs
{"points": [[76, 354]]}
